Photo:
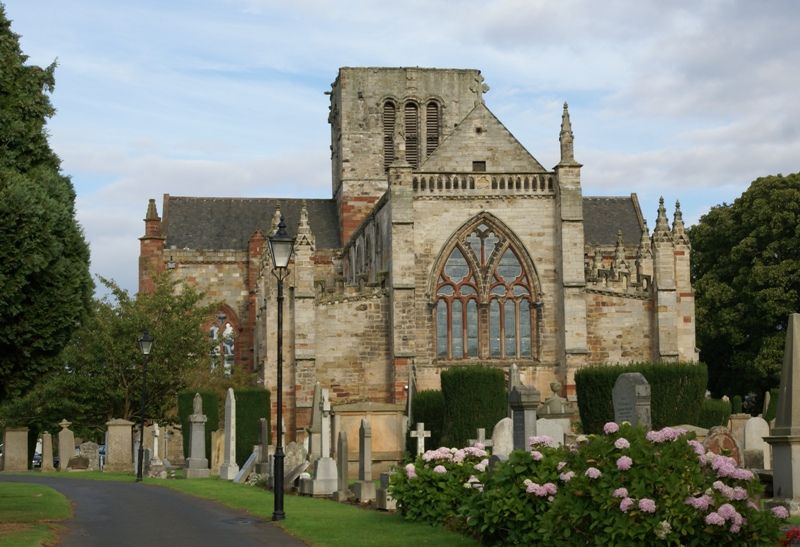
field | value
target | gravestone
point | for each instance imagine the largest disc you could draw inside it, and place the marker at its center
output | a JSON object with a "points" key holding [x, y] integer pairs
{"points": [[119, 446], [767, 398], [755, 429], [551, 428], [631, 397], [523, 400], [295, 462], [736, 423], [420, 434], [248, 466], [78, 463], [383, 499], [325, 481], [229, 466], [262, 466], [15, 449], [720, 441], [785, 438], [315, 431], [91, 451], [343, 493], [47, 452], [480, 439], [197, 463], [364, 489], [503, 438], [66, 445], [217, 450]]}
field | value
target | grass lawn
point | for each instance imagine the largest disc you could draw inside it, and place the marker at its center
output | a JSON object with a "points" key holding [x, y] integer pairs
{"points": [[28, 513]]}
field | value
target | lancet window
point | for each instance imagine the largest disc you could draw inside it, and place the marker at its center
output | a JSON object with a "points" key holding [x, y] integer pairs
{"points": [[484, 304]]}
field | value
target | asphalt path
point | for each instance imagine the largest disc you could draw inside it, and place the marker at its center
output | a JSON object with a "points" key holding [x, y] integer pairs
{"points": [[119, 514]]}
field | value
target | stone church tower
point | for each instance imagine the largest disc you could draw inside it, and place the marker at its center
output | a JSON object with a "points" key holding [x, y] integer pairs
{"points": [[445, 243]]}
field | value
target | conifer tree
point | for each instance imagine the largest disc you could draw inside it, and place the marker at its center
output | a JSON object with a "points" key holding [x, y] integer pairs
{"points": [[45, 285]]}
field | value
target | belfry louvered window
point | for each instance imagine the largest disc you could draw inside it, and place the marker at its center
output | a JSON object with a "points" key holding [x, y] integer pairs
{"points": [[411, 116], [389, 116], [484, 303], [431, 127]]}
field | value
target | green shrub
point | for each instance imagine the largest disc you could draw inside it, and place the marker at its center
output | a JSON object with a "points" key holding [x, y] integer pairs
{"points": [[474, 397], [772, 410], [736, 404], [251, 405], [676, 392], [714, 412], [210, 409], [428, 408]]}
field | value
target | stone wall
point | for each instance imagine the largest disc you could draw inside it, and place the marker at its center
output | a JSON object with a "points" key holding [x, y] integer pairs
{"points": [[619, 329]]}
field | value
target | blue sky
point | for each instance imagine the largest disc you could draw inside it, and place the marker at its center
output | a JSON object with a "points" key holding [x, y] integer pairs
{"points": [[689, 100]]}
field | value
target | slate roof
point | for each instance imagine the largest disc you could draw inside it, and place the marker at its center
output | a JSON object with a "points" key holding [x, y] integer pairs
{"points": [[228, 223], [603, 216]]}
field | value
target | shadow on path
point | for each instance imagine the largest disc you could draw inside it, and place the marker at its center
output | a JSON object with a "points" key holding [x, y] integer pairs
{"points": [[120, 514]]}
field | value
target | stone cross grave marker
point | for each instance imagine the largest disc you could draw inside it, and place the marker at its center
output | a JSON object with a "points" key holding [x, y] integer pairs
{"points": [[197, 464], [229, 467], [66, 444], [631, 397], [420, 434], [365, 488], [481, 438]]}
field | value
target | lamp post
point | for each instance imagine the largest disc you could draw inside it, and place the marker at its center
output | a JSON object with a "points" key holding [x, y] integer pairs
{"points": [[145, 345], [281, 247]]}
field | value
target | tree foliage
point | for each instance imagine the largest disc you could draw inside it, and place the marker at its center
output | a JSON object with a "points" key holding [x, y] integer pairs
{"points": [[746, 273], [100, 372], [45, 286]]}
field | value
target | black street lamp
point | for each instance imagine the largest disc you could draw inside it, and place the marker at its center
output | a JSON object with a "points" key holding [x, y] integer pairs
{"points": [[281, 247], [145, 345]]}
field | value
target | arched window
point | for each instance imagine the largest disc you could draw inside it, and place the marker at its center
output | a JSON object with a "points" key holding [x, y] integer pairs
{"points": [[389, 116], [484, 271], [411, 118]]}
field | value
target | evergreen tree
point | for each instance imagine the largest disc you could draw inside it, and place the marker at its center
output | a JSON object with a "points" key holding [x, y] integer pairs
{"points": [[746, 271], [45, 285]]}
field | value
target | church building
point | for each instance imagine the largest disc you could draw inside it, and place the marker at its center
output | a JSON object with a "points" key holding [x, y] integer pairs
{"points": [[444, 243]]}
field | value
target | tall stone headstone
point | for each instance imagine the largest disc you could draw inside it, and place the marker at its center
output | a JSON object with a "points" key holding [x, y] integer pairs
{"points": [[755, 430], [785, 438], [420, 434], [66, 445], [503, 438], [552, 429], [91, 451], [325, 479], [229, 467], [523, 400], [262, 465], [217, 450], [364, 489], [767, 398], [197, 463], [315, 431], [15, 449], [631, 397], [383, 499], [119, 446], [343, 492], [47, 452]]}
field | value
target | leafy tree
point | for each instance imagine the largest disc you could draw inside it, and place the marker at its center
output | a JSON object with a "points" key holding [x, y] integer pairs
{"points": [[45, 286], [746, 271], [100, 376]]}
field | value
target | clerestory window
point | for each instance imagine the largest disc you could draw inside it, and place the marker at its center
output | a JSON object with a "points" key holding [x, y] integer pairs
{"points": [[484, 302]]}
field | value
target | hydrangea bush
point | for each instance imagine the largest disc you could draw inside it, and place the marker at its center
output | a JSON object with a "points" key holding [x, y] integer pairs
{"points": [[621, 487]]}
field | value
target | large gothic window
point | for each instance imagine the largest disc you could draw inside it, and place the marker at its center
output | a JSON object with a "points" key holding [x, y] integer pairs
{"points": [[484, 303]]}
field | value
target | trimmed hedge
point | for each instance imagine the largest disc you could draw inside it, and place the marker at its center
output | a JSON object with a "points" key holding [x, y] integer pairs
{"points": [[714, 412], [474, 396], [736, 404], [676, 392], [251, 405], [772, 410], [428, 408], [210, 409]]}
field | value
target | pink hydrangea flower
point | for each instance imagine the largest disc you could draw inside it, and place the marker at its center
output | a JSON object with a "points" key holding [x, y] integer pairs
{"points": [[593, 473], [620, 492], [780, 512], [411, 471], [622, 443], [439, 469], [624, 463], [610, 427], [481, 466], [715, 519], [561, 465], [566, 477], [727, 511], [542, 440], [477, 451], [701, 502], [625, 504], [668, 434], [697, 446], [537, 456], [647, 505]]}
